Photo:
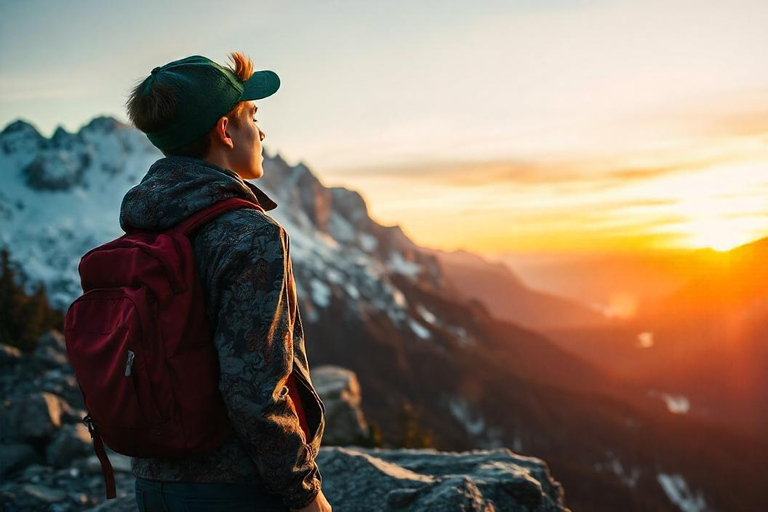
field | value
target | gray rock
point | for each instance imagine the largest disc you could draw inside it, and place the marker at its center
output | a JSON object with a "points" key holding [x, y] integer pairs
{"points": [[51, 351], [375, 479], [120, 463], [71, 442], [34, 416], [33, 498], [36, 473], [339, 390], [14, 455], [44, 494]]}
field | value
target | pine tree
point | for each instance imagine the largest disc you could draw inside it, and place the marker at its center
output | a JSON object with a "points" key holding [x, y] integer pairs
{"points": [[412, 434], [23, 317]]}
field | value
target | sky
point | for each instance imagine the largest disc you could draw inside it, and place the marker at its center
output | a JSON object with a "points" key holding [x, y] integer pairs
{"points": [[494, 126]]}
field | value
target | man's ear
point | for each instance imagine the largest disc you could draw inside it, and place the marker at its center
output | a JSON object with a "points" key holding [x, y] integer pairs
{"points": [[222, 134]]}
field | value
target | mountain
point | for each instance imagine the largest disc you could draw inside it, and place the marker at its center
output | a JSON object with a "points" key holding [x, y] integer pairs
{"points": [[703, 347], [507, 297], [731, 284], [378, 304]]}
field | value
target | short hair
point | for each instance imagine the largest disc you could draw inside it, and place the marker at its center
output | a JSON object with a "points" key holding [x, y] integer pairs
{"points": [[156, 110]]}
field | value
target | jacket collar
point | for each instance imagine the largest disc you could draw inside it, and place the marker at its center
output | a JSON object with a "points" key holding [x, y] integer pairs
{"points": [[176, 187], [264, 200]]}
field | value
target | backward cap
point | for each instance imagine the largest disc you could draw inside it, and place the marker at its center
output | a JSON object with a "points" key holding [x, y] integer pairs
{"points": [[205, 91]]}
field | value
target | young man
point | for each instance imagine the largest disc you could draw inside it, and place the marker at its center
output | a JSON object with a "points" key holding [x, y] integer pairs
{"points": [[200, 115]]}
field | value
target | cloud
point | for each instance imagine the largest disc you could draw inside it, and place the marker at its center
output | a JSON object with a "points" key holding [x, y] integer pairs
{"points": [[580, 174]]}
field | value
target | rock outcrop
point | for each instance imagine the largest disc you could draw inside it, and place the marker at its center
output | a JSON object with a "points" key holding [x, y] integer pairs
{"points": [[340, 391], [47, 462], [423, 480]]}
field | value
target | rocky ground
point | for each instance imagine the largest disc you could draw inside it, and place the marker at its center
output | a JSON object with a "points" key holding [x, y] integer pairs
{"points": [[47, 461]]}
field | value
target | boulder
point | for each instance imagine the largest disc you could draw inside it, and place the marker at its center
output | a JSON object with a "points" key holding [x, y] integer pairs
{"points": [[368, 479], [71, 442], [425, 480], [15, 455], [36, 415], [339, 390], [120, 463]]}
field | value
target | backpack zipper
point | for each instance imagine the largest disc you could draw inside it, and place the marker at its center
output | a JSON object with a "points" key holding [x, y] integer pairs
{"points": [[129, 363]]}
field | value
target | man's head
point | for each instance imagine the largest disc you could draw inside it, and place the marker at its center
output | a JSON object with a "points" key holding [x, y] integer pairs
{"points": [[194, 107]]}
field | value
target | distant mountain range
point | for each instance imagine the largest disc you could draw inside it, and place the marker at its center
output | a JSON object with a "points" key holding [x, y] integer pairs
{"points": [[507, 297], [458, 338], [705, 344]]}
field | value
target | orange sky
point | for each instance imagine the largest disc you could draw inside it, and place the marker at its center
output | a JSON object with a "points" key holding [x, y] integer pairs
{"points": [[702, 182]]}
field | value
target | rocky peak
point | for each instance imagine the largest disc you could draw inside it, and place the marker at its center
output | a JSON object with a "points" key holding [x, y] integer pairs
{"points": [[104, 124], [20, 126], [20, 136]]}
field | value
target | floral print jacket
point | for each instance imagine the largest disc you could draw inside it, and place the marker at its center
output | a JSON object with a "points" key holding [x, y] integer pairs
{"points": [[243, 260]]}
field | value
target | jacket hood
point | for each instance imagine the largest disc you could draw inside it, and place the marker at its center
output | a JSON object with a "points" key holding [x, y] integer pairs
{"points": [[176, 187]]}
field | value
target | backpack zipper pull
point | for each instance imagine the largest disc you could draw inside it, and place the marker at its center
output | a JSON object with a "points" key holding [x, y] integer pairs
{"points": [[129, 363]]}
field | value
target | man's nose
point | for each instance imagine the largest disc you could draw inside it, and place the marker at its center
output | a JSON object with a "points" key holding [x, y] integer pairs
{"points": [[262, 135]]}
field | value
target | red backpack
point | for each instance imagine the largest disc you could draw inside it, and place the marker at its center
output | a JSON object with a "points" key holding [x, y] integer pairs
{"points": [[139, 343]]}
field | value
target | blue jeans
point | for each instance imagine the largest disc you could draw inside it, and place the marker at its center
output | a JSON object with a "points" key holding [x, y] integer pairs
{"points": [[156, 496]]}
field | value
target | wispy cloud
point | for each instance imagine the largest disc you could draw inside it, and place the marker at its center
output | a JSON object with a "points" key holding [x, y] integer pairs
{"points": [[593, 174]]}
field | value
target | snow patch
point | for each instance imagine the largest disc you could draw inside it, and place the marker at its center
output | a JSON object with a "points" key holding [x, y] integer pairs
{"points": [[397, 263], [334, 276], [461, 335], [321, 293], [677, 404], [421, 331], [676, 489], [341, 229], [352, 291], [645, 340], [368, 242], [460, 410], [426, 314]]}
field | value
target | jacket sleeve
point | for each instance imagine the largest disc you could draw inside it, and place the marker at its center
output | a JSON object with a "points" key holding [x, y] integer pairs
{"points": [[255, 343]]}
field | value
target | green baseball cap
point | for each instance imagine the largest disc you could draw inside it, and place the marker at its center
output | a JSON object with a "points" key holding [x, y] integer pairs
{"points": [[205, 92]]}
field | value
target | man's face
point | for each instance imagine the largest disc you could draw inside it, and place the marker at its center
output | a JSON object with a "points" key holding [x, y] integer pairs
{"points": [[246, 157]]}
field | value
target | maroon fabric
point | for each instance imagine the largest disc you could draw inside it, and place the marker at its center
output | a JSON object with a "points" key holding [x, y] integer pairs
{"points": [[106, 466], [139, 343], [294, 394]]}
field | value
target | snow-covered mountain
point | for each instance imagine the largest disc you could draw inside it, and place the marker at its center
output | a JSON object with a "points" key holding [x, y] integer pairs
{"points": [[61, 196], [374, 302]]}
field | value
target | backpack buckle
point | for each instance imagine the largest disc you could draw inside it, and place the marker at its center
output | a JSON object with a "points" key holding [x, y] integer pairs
{"points": [[89, 423]]}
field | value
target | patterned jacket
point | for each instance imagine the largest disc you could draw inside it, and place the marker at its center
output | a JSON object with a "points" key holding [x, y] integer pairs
{"points": [[243, 260]]}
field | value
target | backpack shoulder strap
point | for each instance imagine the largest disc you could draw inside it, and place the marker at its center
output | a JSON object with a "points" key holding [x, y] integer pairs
{"points": [[206, 215]]}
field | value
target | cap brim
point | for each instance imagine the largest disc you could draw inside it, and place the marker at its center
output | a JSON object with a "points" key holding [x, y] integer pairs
{"points": [[260, 85]]}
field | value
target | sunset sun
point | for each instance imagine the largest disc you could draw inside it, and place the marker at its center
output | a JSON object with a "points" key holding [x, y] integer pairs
{"points": [[720, 235]]}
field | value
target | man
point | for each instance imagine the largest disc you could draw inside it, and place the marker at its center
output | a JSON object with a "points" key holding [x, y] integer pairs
{"points": [[199, 114]]}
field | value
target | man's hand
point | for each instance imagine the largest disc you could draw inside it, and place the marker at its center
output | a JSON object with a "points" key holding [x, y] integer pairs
{"points": [[319, 505]]}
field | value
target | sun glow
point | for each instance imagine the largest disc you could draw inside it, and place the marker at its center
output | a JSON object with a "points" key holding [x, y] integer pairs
{"points": [[720, 207], [720, 234], [720, 239]]}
